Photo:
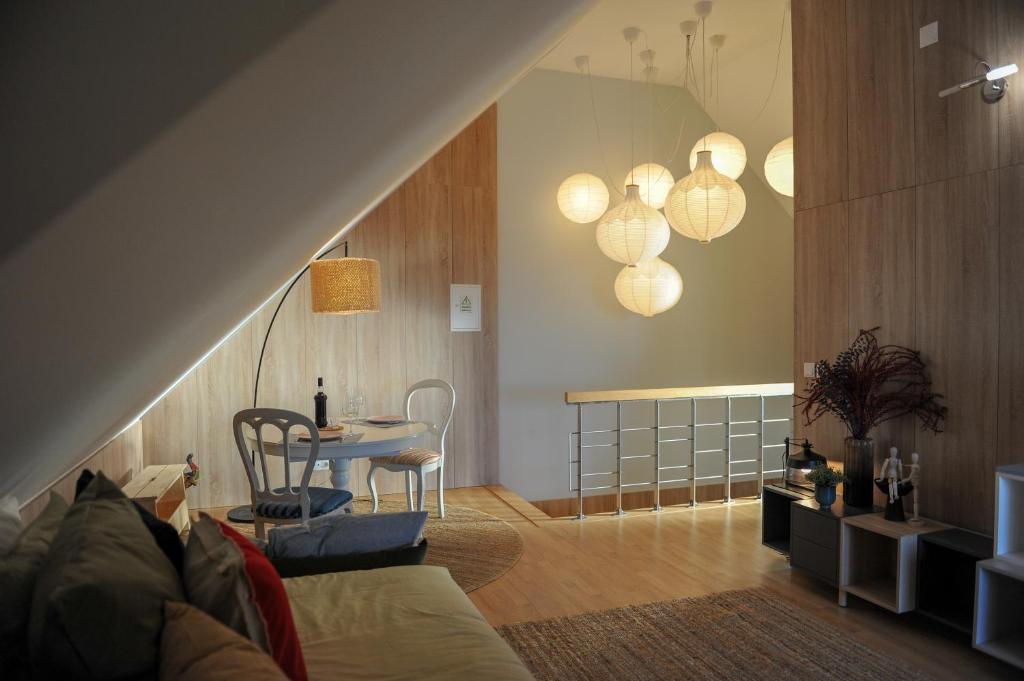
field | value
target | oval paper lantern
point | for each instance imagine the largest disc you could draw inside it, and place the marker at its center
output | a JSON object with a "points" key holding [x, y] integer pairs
{"points": [[778, 167], [705, 204], [649, 288], [632, 231], [728, 154], [583, 197], [654, 181]]}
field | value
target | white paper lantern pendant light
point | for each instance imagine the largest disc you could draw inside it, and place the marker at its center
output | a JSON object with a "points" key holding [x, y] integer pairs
{"points": [[778, 167], [728, 154], [705, 204], [649, 288], [583, 197], [632, 231], [654, 181]]}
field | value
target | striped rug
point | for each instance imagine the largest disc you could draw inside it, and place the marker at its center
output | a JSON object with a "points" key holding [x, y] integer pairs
{"points": [[750, 634]]}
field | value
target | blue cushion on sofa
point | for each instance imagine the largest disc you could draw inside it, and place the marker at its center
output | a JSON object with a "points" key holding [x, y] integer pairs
{"points": [[322, 500]]}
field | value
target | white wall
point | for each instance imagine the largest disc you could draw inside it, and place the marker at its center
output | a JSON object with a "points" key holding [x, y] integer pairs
{"points": [[561, 327]]}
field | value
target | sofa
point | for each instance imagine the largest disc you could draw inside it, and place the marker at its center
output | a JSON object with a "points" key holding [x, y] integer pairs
{"points": [[405, 622], [102, 590]]}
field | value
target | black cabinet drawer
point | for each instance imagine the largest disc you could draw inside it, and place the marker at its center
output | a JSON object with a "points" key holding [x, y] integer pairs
{"points": [[818, 560], [815, 527]]}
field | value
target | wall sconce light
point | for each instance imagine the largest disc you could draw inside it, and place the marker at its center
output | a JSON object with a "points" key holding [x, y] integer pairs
{"points": [[994, 82]]}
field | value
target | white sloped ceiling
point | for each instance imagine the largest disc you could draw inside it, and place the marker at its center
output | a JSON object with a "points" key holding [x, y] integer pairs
{"points": [[115, 288]]}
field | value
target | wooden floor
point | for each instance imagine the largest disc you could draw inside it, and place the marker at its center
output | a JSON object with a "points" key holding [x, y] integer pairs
{"points": [[603, 562]]}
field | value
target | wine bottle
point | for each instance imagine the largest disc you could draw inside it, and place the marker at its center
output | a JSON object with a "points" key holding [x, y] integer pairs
{"points": [[320, 401]]}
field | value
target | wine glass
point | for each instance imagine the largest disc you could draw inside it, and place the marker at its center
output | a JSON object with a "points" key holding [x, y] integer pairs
{"points": [[353, 403]]}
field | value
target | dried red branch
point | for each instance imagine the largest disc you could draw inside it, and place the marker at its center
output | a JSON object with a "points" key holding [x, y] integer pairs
{"points": [[868, 384]]}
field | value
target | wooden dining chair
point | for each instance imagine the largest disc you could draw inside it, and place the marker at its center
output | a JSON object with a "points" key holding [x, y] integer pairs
{"points": [[418, 461], [290, 504]]}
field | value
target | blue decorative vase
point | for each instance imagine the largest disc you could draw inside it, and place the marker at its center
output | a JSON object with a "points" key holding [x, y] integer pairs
{"points": [[825, 496]]}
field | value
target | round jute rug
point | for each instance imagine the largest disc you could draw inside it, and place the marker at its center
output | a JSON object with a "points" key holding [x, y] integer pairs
{"points": [[476, 547]]}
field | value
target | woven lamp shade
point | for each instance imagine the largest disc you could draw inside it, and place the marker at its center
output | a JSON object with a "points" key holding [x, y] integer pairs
{"points": [[705, 204], [728, 154], [649, 288], [345, 285], [778, 167], [583, 197], [654, 181], [632, 231]]}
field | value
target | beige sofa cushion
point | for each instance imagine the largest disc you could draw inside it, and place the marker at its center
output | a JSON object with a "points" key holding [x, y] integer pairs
{"points": [[409, 622], [196, 647]]}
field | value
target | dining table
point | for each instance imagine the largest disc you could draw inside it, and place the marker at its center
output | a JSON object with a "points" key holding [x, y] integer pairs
{"points": [[359, 439]]}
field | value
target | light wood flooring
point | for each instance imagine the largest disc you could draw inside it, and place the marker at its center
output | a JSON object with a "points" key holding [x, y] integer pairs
{"points": [[570, 567]]}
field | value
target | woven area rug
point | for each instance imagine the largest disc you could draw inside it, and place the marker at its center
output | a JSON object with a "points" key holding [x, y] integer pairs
{"points": [[734, 635], [476, 547]]}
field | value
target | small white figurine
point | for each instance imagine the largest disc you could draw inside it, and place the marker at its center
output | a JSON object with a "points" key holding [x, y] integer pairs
{"points": [[892, 473], [915, 475]]}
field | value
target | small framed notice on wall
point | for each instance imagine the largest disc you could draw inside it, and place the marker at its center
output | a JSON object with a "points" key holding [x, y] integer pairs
{"points": [[466, 307]]}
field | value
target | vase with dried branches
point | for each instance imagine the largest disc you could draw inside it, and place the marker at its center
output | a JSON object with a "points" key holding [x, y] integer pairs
{"points": [[868, 384]]}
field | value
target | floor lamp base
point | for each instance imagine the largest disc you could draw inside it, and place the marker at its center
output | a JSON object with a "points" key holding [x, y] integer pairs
{"points": [[240, 514]]}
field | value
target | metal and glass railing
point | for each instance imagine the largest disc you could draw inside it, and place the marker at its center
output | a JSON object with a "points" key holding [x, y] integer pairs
{"points": [[700, 440]]}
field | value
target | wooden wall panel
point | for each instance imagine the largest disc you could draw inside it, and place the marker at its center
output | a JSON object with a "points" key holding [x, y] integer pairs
{"points": [[170, 428], [1010, 27], [1011, 316], [475, 220], [880, 66], [381, 337], [120, 459], [955, 135], [882, 265], [957, 331], [821, 307], [223, 387], [819, 89], [428, 237]]}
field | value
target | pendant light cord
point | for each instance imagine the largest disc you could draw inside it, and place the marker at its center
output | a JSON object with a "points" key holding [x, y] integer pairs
{"points": [[778, 64], [597, 132]]}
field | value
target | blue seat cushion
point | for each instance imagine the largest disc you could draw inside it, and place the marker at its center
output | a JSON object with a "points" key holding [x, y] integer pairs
{"points": [[321, 500]]}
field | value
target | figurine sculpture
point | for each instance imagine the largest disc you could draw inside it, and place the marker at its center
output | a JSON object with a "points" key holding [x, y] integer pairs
{"points": [[915, 474], [891, 483]]}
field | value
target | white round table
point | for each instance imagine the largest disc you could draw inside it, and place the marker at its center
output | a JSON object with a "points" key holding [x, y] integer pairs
{"points": [[370, 441]]}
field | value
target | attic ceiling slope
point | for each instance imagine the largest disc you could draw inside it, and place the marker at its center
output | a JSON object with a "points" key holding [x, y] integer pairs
{"points": [[124, 291]]}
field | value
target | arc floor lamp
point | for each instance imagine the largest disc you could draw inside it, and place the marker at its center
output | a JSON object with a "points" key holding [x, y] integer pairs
{"points": [[342, 286]]}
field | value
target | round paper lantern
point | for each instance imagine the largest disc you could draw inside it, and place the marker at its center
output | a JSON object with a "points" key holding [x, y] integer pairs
{"points": [[648, 288], [728, 154], [632, 231], [705, 204], [583, 198], [778, 167], [654, 181]]}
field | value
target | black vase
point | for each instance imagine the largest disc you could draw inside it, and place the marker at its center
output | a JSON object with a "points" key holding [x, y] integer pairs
{"points": [[859, 468]]}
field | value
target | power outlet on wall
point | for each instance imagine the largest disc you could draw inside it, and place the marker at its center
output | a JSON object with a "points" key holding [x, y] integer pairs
{"points": [[321, 465]]}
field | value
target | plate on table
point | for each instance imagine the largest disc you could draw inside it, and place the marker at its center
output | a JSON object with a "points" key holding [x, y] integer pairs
{"points": [[386, 420], [326, 434]]}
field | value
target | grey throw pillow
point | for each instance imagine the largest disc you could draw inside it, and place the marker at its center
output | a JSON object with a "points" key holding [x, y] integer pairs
{"points": [[18, 572], [97, 608], [10, 524], [344, 534]]}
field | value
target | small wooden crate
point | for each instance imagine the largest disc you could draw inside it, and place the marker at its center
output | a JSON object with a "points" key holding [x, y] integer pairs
{"points": [[161, 491]]}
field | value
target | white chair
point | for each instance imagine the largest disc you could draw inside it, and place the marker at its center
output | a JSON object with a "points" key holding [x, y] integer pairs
{"points": [[418, 461], [289, 504]]}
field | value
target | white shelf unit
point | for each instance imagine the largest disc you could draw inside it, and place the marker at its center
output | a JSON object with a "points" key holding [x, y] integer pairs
{"points": [[999, 581]]}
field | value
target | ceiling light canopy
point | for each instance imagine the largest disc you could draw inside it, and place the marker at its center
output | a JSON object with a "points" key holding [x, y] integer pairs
{"points": [[583, 198], [778, 167], [632, 231], [705, 204], [728, 154], [654, 181], [649, 288]]}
